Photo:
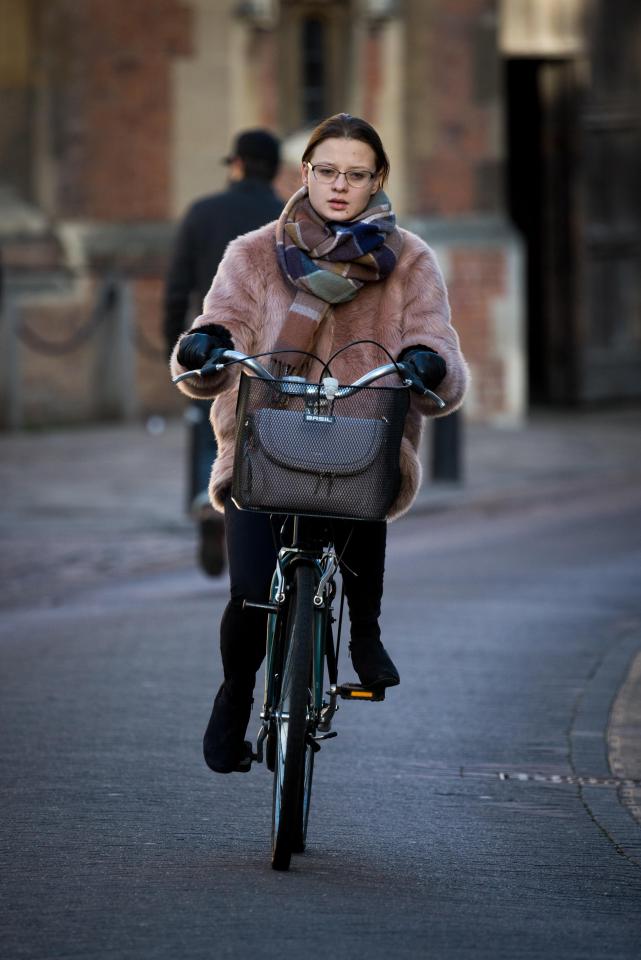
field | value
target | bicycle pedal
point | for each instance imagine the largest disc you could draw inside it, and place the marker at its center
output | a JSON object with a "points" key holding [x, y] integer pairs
{"points": [[355, 691]]}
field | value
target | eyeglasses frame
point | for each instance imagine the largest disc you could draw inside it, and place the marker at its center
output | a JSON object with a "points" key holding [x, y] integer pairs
{"points": [[362, 186]]}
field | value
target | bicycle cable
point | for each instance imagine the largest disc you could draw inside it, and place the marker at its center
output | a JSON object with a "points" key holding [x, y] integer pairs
{"points": [[355, 344], [274, 353]]}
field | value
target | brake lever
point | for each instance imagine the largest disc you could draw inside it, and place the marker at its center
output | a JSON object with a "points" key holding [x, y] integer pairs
{"points": [[213, 365], [415, 384], [185, 376], [440, 403]]}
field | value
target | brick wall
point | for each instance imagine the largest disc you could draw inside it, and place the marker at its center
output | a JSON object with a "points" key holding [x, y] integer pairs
{"points": [[105, 120], [108, 71], [478, 281], [452, 69], [482, 264], [455, 170]]}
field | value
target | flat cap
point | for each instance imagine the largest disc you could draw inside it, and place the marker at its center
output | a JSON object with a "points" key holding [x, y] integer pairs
{"points": [[255, 145]]}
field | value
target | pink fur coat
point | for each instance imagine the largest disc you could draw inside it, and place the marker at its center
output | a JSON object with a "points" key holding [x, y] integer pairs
{"points": [[250, 297]]}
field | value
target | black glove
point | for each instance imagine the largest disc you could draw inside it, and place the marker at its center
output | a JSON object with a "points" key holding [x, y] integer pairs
{"points": [[426, 365], [198, 347]]}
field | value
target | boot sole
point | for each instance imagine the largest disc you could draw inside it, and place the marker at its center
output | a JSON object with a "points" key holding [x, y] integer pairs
{"points": [[381, 683], [243, 766]]}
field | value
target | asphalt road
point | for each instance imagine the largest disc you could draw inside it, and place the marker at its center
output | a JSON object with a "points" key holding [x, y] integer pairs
{"points": [[473, 814]]}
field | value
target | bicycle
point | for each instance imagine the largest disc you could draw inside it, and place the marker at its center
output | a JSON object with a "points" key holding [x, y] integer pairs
{"points": [[293, 448]]}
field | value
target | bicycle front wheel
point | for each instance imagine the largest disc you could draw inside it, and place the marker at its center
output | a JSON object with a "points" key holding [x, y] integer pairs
{"points": [[291, 798], [304, 798]]}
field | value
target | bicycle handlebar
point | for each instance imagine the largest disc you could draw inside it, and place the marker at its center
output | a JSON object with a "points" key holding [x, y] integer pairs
{"points": [[328, 388]]}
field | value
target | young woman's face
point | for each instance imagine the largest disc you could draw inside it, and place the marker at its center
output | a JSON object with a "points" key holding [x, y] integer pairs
{"points": [[340, 200]]}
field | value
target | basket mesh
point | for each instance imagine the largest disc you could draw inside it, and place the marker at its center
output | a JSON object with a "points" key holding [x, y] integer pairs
{"points": [[298, 453]]}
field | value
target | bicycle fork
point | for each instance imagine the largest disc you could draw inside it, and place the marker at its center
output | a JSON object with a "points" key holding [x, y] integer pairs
{"points": [[321, 712]]}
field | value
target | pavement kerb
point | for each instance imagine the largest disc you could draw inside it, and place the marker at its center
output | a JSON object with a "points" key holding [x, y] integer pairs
{"points": [[624, 738], [618, 737]]}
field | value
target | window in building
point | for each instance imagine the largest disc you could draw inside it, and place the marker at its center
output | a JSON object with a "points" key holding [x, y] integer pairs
{"points": [[313, 69]]}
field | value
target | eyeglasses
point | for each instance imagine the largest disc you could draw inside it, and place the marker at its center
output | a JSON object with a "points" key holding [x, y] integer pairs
{"points": [[323, 173]]}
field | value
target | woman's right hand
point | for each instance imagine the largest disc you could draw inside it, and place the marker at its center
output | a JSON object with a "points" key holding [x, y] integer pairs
{"points": [[197, 348]]}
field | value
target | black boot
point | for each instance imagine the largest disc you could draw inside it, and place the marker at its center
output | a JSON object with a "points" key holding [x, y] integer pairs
{"points": [[224, 746], [373, 663]]}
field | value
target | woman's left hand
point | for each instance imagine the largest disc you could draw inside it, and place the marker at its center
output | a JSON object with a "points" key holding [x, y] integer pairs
{"points": [[426, 365]]}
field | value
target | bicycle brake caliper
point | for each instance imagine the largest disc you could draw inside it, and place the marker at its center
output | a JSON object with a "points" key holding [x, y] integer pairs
{"points": [[328, 573]]}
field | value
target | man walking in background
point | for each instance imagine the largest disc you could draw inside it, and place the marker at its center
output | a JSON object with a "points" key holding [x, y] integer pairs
{"points": [[208, 226]]}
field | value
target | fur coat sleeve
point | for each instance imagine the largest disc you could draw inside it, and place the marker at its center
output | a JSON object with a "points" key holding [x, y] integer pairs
{"points": [[426, 321], [234, 301]]}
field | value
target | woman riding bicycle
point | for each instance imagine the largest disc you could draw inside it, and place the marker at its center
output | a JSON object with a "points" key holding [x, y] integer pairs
{"points": [[333, 269]]}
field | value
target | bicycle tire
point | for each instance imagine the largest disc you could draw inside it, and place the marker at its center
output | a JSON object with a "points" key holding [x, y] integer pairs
{"points": [[291, 721], [305, 795], [299, 840]]}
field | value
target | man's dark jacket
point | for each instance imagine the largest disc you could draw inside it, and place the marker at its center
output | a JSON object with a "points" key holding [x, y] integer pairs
{"points": [[208, 226]]}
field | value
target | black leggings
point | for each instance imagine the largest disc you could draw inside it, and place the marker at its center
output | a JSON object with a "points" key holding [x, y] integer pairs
{"points": [[251, 548]]}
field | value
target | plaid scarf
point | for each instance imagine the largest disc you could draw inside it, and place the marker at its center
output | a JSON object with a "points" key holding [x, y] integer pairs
{"points": [[328, 262]]}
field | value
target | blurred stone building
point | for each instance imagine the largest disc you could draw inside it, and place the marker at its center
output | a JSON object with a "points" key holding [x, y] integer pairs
{"points": [[512, 127]]}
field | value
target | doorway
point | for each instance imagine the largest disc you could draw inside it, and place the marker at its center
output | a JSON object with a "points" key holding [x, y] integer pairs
{"points": [[540, 146]]}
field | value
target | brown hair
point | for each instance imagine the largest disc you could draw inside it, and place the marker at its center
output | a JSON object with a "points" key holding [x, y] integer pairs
{"points": [[350, 128]]}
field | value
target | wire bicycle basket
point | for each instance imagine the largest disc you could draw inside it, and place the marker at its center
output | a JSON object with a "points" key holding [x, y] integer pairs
{"points": [[299, 452]]}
